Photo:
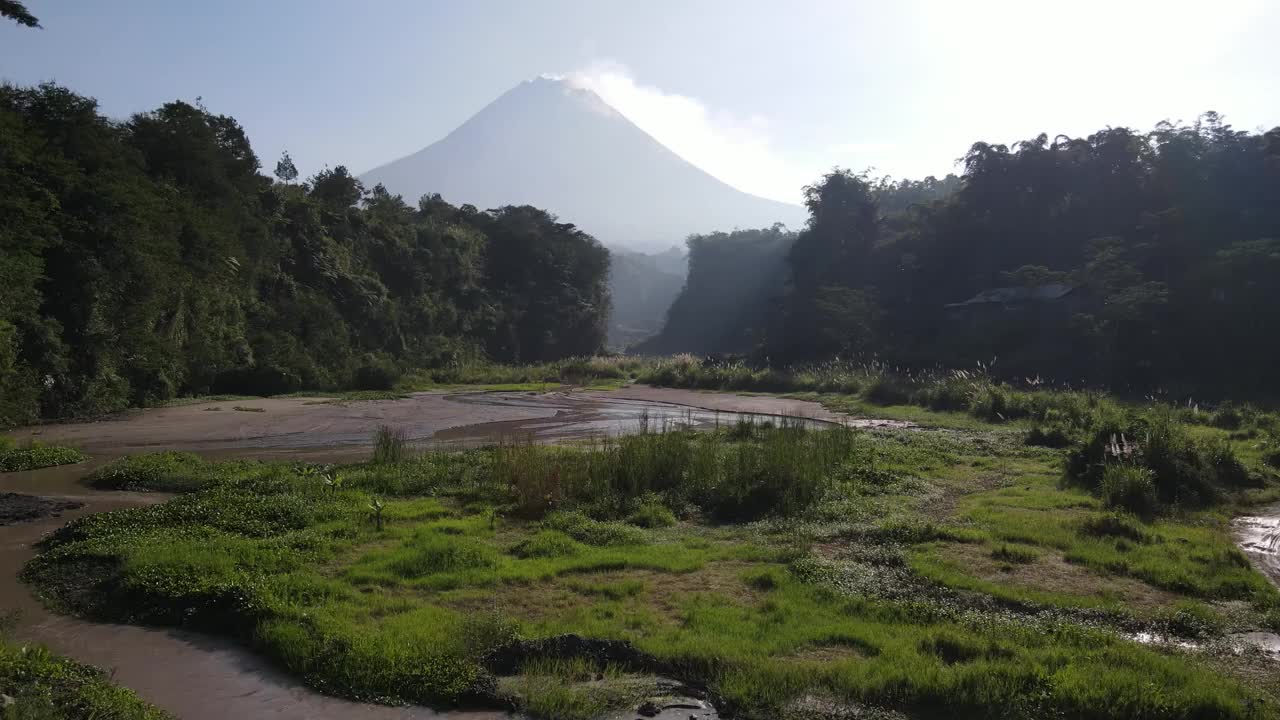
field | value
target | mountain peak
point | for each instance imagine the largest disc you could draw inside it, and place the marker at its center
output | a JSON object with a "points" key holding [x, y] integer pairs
{"points": [[546, 88], [550, 144]]}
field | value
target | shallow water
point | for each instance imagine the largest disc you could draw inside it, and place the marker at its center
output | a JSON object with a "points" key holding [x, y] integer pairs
{"points": [[1259, 537], [193, 676], [585, 416], [200, 677]]}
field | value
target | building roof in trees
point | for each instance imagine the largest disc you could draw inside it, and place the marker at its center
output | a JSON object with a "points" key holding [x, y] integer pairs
{"points": [[1017, 295]]}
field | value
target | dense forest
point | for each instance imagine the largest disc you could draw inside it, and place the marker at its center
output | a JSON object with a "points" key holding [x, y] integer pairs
{"points": [[144, 259], [1136, 260]]}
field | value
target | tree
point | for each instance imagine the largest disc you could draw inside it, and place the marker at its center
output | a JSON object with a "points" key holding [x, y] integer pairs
{"points": [[148, 258], [286, 172], [17, 12]]}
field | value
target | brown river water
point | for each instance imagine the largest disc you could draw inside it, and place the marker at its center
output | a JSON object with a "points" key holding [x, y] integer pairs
{"points": [[200, 677]]}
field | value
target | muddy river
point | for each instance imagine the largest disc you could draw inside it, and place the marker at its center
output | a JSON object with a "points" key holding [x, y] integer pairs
{"points": [[198, 677]]}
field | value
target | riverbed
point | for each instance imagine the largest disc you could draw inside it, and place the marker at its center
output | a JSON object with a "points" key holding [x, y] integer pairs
{"points": [[200, 677]]}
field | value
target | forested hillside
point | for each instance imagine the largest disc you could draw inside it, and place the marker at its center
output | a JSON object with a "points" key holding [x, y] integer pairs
{"points": [[1137, 260], [144, 259], [733, 279], [737, 279]]}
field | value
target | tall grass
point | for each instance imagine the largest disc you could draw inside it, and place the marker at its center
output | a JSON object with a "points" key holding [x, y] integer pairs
{"points": [[36, 455], [778, 470], [571, 371], [389, 445], [974, 392], [1145, 462]]}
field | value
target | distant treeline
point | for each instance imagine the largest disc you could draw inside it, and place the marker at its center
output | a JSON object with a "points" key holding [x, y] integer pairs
{"points": [[144, 259], [1136, 260]]}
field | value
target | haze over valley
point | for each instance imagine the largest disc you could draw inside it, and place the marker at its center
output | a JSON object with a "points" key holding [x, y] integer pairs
{"points": [[890, 361]]}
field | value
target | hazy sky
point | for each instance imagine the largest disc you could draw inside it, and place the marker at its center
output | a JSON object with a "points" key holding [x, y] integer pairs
{"points": [[764, 95]]}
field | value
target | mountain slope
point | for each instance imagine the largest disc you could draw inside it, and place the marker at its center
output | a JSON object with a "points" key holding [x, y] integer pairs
{"points": [[547, 144]]}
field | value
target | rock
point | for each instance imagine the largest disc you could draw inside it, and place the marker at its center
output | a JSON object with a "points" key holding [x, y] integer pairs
{"points": [[649, 708]]}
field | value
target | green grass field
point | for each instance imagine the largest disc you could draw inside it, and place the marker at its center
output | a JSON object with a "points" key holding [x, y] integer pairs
{"points": [[951, 572]]}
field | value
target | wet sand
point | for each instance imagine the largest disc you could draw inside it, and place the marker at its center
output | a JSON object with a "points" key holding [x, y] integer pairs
{"points": [[193, 676], [312, 426], [199, 677], [1259, 537]]}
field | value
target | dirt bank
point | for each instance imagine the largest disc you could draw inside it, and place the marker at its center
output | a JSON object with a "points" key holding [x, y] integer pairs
{"points": [[16, 507], [274, 427], [197, 677]]}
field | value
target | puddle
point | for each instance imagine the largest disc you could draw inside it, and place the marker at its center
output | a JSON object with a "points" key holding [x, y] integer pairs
{"points": [[1152, 638], [199, 677], [1259, 537], [586, 416], [193, 676]]}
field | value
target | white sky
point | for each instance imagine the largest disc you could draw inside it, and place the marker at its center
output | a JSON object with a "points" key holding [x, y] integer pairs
{"points": [[763, 94]]}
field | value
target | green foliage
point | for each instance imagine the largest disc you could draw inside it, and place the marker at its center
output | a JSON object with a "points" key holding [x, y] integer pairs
{"points": [[148, 259], [652, 514], [43, 686], [271, 554], [1147, 462], [18, 12], [168, 471], [725, 301], [1048, 258], [389, 445], [37, 455], [1129, 487]]}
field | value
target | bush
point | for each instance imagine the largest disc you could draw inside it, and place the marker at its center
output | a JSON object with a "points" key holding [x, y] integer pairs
{"points": [[42, 686], [652, 514], [168, 471], [1050, 436], [548, 543], [388, 445], [257, 380], [429, 553], [1183, 471], [1129, 487], [375, 375], [1115, 525], [888, 390], [593, 532], [38, 455]]}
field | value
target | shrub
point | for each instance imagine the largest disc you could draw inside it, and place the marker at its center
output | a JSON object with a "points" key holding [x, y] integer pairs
{"points": [[388, 445], [1051, 436], [428, 553], [1129, 487], [38, 455], [652, 514], [1115, 525], [1192, 619], [168, 471], [548, 543], [1183, 471], [593, 532], [888, 390], [375, 374], [258, 380]]}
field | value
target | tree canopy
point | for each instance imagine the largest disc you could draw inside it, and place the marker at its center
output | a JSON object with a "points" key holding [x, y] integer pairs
{"points": [[148, 258], [1137, 260], [18, 13]]}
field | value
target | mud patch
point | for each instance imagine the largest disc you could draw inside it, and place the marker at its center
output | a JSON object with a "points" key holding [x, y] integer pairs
{"points": [[15, 508], [1052, 574]]}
